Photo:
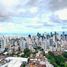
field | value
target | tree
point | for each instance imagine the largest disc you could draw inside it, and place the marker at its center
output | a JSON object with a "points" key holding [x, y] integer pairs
{"points": [[59, 59], [23, 65], [56, 60], [65, 54], [65, 64], [27, 52]]}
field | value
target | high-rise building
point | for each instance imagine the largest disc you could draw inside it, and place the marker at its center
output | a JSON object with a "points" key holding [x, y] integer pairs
{"points": [[2, 44]]}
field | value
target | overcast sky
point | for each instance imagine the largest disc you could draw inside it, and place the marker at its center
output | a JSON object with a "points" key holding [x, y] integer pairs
{"points": [[31, 16]]}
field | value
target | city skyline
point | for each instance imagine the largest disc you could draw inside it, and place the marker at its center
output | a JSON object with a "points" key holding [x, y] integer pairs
{"points": [[28, 16]]}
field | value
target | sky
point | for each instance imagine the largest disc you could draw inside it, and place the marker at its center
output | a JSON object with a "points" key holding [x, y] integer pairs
{"points": [[32, 16]]}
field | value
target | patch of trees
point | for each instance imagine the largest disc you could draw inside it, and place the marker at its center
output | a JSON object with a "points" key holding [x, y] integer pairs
{"points": [[57, 60]]}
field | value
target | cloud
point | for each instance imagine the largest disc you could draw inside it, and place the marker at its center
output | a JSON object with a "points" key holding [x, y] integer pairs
{"points": [[57, 4], [9, 3], [62, 14], [32, 15]]}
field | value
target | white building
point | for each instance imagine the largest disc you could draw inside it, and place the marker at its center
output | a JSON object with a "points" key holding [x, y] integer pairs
{"points": [[2, 43], [15, 61]]}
